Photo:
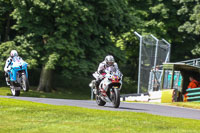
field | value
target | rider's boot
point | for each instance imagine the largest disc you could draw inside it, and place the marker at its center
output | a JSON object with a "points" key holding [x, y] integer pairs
{"points": [[7, 79], [97, 82]]}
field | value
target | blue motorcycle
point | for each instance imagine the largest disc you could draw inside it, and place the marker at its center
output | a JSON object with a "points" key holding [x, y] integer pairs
{"points": [[18, 75]]}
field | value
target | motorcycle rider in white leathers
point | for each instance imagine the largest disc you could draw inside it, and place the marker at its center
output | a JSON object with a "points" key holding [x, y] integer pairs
{"points": [[13, 56], [108, 62]]}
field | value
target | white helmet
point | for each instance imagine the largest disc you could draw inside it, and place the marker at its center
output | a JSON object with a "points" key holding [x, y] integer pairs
{"points": [[13, 53], [109, 59]]}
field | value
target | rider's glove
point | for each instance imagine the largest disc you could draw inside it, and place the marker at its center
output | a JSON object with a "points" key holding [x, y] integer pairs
{"points": [[101, 76]]}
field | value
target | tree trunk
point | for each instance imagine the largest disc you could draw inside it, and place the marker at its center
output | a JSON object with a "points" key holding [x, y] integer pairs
{"points": [[46, 80], [7, 30]]}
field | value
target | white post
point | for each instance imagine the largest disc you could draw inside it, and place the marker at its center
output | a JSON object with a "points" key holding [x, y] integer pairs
{"points": [[155, 59], [150, 82], [140, 58], [156, 53], [168, 55]]}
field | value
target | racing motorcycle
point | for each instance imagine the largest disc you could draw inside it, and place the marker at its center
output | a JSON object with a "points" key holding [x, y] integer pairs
{"points": [[18, 75], [109, 88]]}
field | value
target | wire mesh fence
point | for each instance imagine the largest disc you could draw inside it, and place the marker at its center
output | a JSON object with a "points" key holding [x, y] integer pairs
{"points": [[147, 61], [153, 53]]}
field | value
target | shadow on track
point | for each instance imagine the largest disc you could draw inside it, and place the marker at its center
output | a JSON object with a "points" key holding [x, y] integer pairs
{"points": [[126, 108]]}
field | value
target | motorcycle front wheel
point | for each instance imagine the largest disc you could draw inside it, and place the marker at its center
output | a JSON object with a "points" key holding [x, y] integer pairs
{"points": [[116, 98]]}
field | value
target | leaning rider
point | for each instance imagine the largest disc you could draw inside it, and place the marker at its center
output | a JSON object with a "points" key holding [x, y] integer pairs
{"points": [[13, 56], [108, 62]]}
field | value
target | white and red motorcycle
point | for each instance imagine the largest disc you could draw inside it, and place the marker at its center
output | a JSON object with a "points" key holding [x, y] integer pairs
{"points": [[109, 88]]}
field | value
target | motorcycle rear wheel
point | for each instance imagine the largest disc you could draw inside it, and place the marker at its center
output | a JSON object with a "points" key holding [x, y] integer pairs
{"points": [[99, 101], [14, 92]]}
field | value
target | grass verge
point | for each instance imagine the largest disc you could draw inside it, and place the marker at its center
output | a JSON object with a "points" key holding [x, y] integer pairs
{"points": [[194, 105], [23, 116], [60, 93]]}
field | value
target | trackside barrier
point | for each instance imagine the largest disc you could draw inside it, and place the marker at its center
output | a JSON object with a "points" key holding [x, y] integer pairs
{"points": [[142, 97], [193, 95]]}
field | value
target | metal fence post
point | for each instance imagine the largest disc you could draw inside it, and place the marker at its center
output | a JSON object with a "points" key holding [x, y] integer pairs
{"points": [[169, 51], [155, 59], [140, 58], [156, 53]]}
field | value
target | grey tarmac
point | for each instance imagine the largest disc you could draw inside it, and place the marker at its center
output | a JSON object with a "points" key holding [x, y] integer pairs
{"points": [[163, 110]]}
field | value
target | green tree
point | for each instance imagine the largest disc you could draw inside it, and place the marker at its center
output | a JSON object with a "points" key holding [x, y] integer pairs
{"points": [[190, 11], [69, 35], [5, 20], [160, 18]]}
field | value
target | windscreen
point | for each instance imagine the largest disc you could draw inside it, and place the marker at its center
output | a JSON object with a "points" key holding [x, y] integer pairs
{"points": [[111, 69]]}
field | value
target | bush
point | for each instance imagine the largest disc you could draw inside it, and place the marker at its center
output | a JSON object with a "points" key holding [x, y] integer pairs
{"points": [[129, 86]]}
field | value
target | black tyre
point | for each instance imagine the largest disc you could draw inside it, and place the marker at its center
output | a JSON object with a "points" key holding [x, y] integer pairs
{"points": [[99, 101], [116, 98], [14, 92], [25, 83]]}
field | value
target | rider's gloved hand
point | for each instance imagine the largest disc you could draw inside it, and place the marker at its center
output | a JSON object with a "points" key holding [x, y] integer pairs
{"points": [[101, 76], [102, 71]]}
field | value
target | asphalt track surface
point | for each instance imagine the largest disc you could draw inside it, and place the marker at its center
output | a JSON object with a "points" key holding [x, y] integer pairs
{"points": [[163, 110]]}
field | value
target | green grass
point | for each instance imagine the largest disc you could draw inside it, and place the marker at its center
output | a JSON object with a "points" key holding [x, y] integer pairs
{"points": [[195, 105], [60, 93], [23, 116]]}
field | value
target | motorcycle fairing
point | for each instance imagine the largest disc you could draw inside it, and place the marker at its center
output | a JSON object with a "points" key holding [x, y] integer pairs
{"points": [[17, 66]]}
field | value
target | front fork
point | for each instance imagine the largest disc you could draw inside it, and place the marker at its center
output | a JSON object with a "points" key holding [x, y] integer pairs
{"points": [[112, 92]]}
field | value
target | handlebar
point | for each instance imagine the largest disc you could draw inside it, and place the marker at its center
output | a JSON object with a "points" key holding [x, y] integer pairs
{"points": [[111, 72]]}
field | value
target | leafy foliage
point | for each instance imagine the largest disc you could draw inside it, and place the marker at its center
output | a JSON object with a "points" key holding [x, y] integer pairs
{"points": [[6, 21], [25, 50], [74, 35], [5, 49], [190, 10]]}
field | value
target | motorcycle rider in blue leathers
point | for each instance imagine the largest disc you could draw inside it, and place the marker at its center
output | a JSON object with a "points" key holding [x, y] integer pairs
{"points": [[13, 56]]}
